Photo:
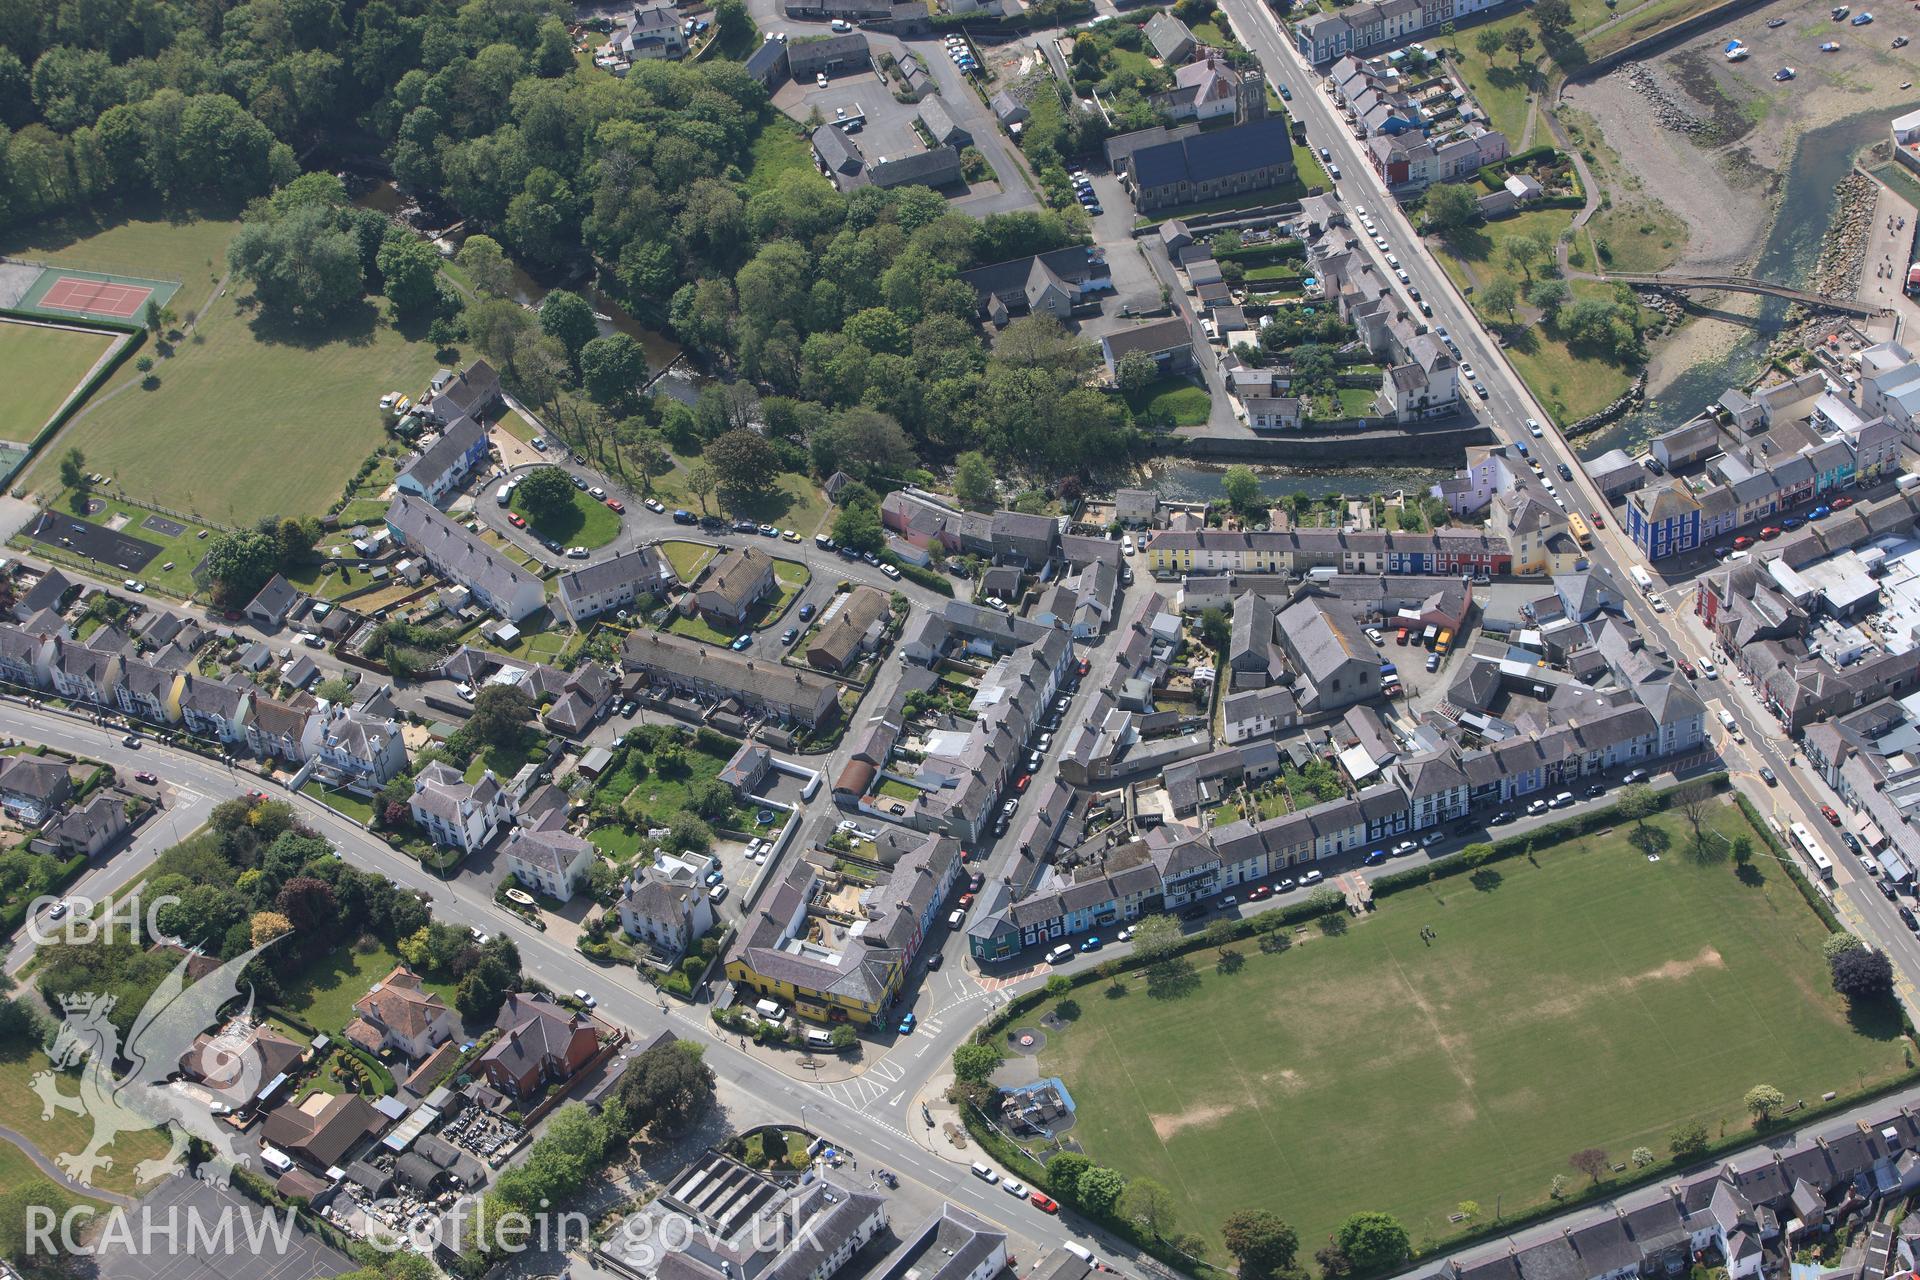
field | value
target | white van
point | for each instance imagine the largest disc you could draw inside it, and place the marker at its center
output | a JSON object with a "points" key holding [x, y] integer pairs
{"points": [[505, 495], [1641, 579], [818, 1039], [956, 918], [1079, 1251], [985, 1174], [1060, 954], [770, 1012], [1908, 481], [274, 1158]]}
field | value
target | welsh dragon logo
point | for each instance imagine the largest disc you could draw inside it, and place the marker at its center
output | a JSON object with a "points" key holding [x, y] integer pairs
{"points": [[139, 1097]]}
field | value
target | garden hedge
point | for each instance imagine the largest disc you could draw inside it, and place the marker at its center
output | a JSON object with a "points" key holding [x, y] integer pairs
{"points": [[1513, 846]]}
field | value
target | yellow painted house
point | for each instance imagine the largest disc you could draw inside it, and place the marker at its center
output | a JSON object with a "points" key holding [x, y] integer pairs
{"points": [[828, 968]]}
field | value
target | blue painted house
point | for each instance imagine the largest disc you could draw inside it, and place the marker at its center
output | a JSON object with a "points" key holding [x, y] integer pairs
{"points": [[1663, 520], [446, 463]]}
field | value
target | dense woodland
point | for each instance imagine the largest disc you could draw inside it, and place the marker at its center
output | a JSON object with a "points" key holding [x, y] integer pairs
{"points": [[831, 304]]}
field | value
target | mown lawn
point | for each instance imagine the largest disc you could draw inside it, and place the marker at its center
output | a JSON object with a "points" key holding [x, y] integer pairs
{"points": [[1587, 997], [1177, 400], [1570, 384], [194, 252], [1638, 237], [323, 996], [288, 413], [585, 523], [688, 558], [44, 366], [20, 1110]]}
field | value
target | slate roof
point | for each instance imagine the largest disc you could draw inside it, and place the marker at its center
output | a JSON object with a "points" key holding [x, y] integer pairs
{"points": [[1216, 154]]}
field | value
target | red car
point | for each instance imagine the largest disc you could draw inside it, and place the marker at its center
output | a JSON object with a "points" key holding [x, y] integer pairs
{"points": [[1826, 811], [1769, 533], [1084, 666], [1021, 785], [1599, 521], [147, 778], [966, 901], [616, 505], [1044, 1202], [1260, 891], [1685, 666], [1742, 542], [517, 520], [1841, 503]]}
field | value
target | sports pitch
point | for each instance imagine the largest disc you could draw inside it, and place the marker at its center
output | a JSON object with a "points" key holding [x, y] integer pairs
{"points": [[44, 367], [1593, 1000]]}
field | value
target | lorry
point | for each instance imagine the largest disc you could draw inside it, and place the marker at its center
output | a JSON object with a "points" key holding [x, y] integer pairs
{"points": [[1641, 579]]}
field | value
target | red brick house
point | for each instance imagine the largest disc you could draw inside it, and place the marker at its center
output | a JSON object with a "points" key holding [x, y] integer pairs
{"points": [[539, 1043]]}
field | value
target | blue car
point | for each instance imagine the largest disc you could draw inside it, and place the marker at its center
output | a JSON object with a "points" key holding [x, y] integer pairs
{"points": [[1091, 944], [907, 1024], [1388, 669], [741, 643], [1375, 858], [1819, 513]]}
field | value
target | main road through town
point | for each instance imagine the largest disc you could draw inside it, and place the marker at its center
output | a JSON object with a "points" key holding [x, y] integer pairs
{"points": [[752, 1089], [1507, 407]]}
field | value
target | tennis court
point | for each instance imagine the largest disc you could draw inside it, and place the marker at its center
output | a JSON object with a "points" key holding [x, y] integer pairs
{"points": [[93, 295]]}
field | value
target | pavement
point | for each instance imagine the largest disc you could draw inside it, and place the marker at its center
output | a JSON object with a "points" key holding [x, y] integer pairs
{"points": [[1890, 249], [1506, 410], [752, 1090]]}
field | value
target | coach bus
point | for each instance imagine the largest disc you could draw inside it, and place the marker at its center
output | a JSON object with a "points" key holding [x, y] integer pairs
{"points": [[1819, 859]]}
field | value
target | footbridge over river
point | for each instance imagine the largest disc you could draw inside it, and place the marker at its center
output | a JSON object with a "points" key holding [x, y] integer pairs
{"points": [[1743, 284]]}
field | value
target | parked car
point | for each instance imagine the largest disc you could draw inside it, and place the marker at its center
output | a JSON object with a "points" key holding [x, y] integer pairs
{"points": [[1826, 811], [907, 1024], [1310, 878], [1375, 858]]}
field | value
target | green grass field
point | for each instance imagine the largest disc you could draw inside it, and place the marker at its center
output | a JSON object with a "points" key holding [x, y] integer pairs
{"points": [[586, 524], [1570, 385], [20, 1110], [1176, 400], [289, 415], [779, 150], [1592, 1000], [193, 252], [688, 558], [46, 365]]}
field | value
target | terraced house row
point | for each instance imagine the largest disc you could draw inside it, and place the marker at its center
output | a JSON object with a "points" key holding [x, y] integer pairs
{"points": [[1443, 551]]}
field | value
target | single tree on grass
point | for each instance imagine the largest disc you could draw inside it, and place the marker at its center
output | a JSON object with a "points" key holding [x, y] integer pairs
{"points": [[73, 469], [546, 494], [702, 480], [1764, 1101], [1487, 41], [1451, 207], [1863, 975], [1519, 42], [1591, 1161], [1099, 1189], [1260, 1242], [1156, 937], [1373, 1241], [1148, 1205], [1687, 1141], [975, 1062], [1500, 295]]}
